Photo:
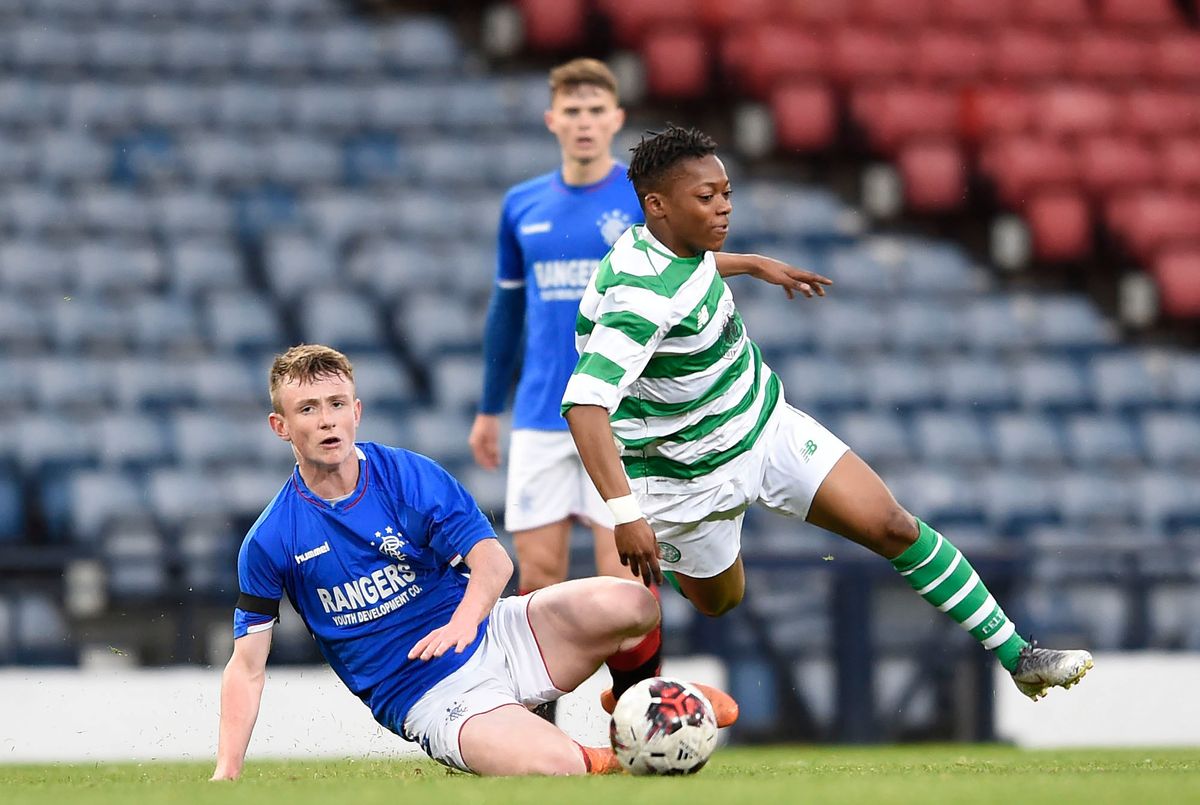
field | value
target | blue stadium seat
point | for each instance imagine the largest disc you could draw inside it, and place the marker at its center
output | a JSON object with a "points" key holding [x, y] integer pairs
{"points": [[225, 381], [16, 392], [393, 269], [123, 49], [158, 323], [901, 382], [250, 490], [1052, 384], [451, 162], [954, 437], [250, 106], [146, 158], [937, 269], [98, 498], [243, 321], [1169, 502], [925, 325], [29, 102], [1184, 379], [848, 326], [456, 381], [87, 324], [103, 108], [518, 158], [16, 157], [39, 47], [878, 436], [976, 383], [22, 326], [777, 325], [377, 158], [297, 265], [31, 210], [1015, 500], [1090, 500], [208, 438], [441, 434], [1071, 323], [431, 324], [427, 214], [302, 161], [277, 50], [128, 440], [1123, 381], [33, 265], [868, 267], [400, 106], [340, 216], [1172, 438], [175, 106], [1102, 441], [381, 426], [217, 161], [184, 213], [822, 383], [203, 264], [997, 323], [1027, 439], [333, 109], [487, 488], [75, 383], [107, 211], [202, 50], [345, 318], [1174, 615], [266, 210], [421, 45], [148, 383], [178, 495], [210, 553], [349, 50], [117, 266], [40, 627], [478, 216], [943, 498]]}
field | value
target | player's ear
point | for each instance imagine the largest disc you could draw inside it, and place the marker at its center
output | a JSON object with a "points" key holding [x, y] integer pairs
{"points": [[278, 425], [620, 119], [548, 118], [357, 411], [654, 205]]}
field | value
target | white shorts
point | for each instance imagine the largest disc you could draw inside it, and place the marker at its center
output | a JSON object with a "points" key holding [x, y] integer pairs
{"points": [[700, 534], [547, 483], [507, 668]]}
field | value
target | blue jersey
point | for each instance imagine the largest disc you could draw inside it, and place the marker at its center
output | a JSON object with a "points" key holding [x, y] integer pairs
{"points": [[370, 575], [552, 238]]}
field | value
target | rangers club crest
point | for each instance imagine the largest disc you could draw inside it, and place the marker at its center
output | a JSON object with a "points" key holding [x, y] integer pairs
{"points": [[613, 224], [391, 543]]}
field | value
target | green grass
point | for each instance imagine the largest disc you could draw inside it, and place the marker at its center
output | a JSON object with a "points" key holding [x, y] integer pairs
{"points": [[908, 774]]}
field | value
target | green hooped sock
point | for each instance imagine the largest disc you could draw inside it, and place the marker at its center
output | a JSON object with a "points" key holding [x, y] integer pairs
{"points": [[942, 576]]}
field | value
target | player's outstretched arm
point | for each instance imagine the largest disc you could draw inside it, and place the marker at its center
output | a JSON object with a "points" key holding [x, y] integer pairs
{"points": [[635, 540], [491, 568], [772, 271], [241, 692]]}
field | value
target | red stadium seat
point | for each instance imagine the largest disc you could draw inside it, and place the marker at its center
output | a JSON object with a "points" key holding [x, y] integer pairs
{"points": [[771, 53], [553, 24], [676, 63], [1108, 163], [972, 13], [805, 116], [1107, 56], [1052, 13], [1139, 13], [1025, 55], [1066, 110], [895, 13], [1179, 162], [720, 15], [817, 13], [992, 111], [895, 115], [1178, 274], [1153, 112], [1150, 220], [1020, 165], [1060, 225], [859, 54], [1176, 57], [633, 19], [946, 56], [935, 176]]}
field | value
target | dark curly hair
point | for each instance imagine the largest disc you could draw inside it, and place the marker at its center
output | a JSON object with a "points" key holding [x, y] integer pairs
{"points": [[658, 152]]}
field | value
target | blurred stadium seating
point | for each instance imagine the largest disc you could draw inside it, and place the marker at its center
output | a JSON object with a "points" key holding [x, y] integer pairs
{"points": [[188, 188]]}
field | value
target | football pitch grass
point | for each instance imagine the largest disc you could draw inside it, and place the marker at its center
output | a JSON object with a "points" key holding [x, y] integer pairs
{"points": [[781, 774]]}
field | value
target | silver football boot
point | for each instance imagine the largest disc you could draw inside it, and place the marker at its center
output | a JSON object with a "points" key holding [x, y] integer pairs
{"points": [[1039, 669]]}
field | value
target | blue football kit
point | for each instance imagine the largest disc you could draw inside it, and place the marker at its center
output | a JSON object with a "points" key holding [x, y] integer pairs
{"points": [[552, 238], [370, 574]]}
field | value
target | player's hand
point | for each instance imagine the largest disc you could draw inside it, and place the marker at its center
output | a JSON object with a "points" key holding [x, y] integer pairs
{"points": [[485, 440], [638, 549], [790, 278], [454, 635]]}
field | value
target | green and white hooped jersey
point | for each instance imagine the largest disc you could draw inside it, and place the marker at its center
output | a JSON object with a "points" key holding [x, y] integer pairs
{"points": [[663, 349]]}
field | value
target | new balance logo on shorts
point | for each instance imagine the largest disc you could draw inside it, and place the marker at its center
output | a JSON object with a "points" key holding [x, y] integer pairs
{"points": [[810, 447]]}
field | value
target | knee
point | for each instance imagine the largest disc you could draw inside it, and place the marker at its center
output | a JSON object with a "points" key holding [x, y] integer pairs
{"points": [[897, 531], [635, 600], [559, 761], [536, 574], [716, 606]]}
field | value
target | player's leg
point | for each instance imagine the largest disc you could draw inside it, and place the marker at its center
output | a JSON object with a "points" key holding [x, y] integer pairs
{"points": [[511, 740], [852, 501], [539, 501], [542, 555]]}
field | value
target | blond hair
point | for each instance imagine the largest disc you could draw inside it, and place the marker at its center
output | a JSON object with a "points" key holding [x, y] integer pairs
{"points": [[582, 72], [306, 363]]}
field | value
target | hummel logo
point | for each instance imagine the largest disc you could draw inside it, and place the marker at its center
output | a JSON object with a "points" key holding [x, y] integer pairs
{"points": [[537, 229], [301, 558]]}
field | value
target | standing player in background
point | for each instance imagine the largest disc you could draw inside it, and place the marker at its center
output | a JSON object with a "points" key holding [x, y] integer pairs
{"points": [[397, 575], [704, 431], [554, 230]]}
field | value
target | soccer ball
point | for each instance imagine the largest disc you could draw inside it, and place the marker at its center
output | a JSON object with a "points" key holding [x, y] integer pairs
{"points": [[663, 726]]}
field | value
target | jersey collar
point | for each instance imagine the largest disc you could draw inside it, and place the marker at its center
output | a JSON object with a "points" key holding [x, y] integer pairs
{"points": [[360, 488]]}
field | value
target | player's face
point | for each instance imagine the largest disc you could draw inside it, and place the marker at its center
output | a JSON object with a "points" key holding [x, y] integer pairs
{"points": [[696, 204], [319, 419], [585, 118]]}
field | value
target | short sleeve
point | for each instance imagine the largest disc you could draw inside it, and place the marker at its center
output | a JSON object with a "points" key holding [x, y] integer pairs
{"points": [[260, 587], [455, 522]]}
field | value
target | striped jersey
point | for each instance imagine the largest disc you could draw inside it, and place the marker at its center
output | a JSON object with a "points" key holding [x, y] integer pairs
{"points": [[663, 349]]}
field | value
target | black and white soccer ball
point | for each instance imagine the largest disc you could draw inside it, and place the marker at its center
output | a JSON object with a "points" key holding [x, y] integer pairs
{"points": [[663, 726]]}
